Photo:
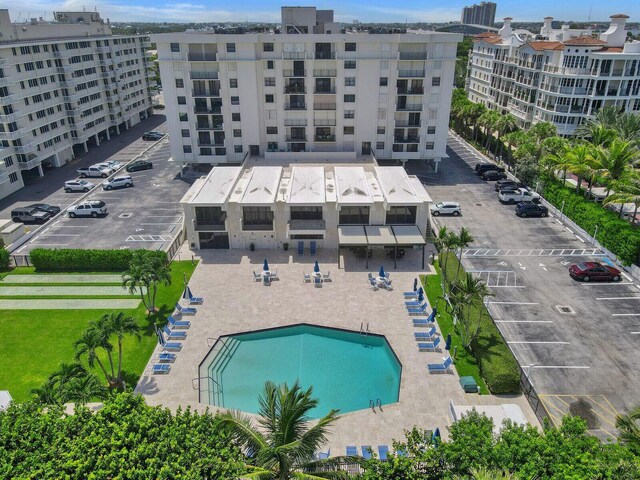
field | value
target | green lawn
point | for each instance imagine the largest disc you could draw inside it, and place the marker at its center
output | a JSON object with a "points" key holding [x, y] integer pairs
{"points": [[37, 341]]}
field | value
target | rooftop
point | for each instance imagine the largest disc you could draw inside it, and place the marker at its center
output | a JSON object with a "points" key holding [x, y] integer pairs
{"points": [[307, 185], [259, 185], [584, 41], [396, 187], [216, 187], [546, 45], [352, 186]]}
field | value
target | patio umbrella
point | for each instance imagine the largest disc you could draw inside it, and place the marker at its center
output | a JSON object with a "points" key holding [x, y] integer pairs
{"points": [[381, 272], [420, 296], [186, 295], [447, 343], [415, 285], [265, 266], [161, 340], [316, 267], [420, 291], [436, 435]]}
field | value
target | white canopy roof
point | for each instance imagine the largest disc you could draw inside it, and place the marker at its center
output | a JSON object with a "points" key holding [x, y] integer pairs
{"points": [[408, 235], [351, 185], [351, 235], [396, 187], [379, 235], [307, 185], [262, 187], [217, 186]]}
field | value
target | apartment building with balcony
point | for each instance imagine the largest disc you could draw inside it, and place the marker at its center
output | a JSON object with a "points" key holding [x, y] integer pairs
{"points": [[561, 76], [308, 92], [65, 85]]}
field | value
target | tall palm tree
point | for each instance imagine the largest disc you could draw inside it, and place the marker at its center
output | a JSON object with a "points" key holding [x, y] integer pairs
{"points": [[121, 326], [629, 428], [577, 160], [474, 291], [506, 124], [543, 130], [283, 443], [85, 388], [88, 344], [158, 273], [627, 190], [136, 280], [463, 240], [604, 119], [615, 162], [102, 326], [628, 127]]}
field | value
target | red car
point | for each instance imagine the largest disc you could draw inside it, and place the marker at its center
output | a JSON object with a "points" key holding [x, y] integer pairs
{"points": [[594, 271]]}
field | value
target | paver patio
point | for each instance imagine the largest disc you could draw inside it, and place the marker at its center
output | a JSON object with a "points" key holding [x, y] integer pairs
{"points": [[65, 278], [234, 303]]}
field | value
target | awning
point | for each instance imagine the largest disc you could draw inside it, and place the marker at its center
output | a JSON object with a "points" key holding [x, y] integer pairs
{"points": [[351, 236], [408, 235], [380, 235]]}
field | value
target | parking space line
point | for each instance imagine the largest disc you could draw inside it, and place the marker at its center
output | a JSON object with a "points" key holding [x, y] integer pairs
{"points": [[523, 321], [514, 303], [603, 407], [626, 315], [51, 234], [617, 298], [617, 284], [539, 343], [162, 223], [558, 366], [634, 333]]}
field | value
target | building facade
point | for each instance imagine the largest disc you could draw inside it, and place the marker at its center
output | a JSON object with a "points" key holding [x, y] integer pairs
{"points": [[302, 95], [64, 86], [482, 14], [561, 76]]}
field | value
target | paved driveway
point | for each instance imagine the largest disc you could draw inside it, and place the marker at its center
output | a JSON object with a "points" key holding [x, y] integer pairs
{"points": [[578, 341]]}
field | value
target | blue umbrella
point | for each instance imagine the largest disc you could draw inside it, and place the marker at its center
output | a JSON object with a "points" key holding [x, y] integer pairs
{"points": [[381, 272], [447, 343], [161, 340], [415, 285], [420, 291], [316, 267], [436, 435], [265, 266], [186, 295], [420, 296]]}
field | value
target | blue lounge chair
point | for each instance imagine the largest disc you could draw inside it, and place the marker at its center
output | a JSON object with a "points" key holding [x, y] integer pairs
{"points": [[410, 294], [167, 357], [383, 450], [423, 322], [417, 310], [172, 346], [387, 284], [424, 346], [373, 284], [413, 303], [185, 310], [300, 248], [352, 451], [440, 367], [425, 335], [196, 300], [161, 368], [366, 451], [174, 335], [178, 323]]}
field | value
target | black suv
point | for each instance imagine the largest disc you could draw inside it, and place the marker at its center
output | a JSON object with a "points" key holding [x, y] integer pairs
{"points": [[494, 175], [152, 136], [45, 207], [482, 168], [507, 184], [530, 209]]}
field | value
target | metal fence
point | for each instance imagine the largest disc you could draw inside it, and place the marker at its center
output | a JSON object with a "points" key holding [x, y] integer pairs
{"points": [[530, 392], [20, 261], [176, 244]]}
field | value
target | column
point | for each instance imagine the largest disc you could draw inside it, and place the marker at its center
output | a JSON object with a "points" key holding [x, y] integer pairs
{"points": [[108, 135], [40, 171], [97, 140], [86, 147], [118, 129]]}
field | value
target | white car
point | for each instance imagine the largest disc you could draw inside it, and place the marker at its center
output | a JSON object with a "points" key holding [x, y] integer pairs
{"points": [[106, 167], [87, 209], [518, 195], [93, 171], [124, 181], [446, 208], [77, 186]]}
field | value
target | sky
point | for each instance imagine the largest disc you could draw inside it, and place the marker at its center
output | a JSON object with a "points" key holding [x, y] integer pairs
{"points": [[345, 10]]}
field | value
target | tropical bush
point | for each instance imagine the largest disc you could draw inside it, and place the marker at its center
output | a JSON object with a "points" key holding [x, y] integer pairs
{"points": [[4, 258], [78, 260]]}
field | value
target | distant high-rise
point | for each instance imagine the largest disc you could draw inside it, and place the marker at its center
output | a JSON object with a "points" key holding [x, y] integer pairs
{"points": [[483, 14]]}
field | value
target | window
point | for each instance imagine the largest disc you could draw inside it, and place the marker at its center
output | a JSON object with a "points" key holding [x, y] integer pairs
{"points": [[185, 132], [349, 64], [267, 47], [272, 146], [412, 147], [379, 145], [272, 130], [381, 130], [349, 114], [237, 148], [348, 130], [269, 64], [435, 82], [8, 161], [235, 100], [237, 132], [235, 117], [175, 47], [231, 47], [184, 117], [349, 81], [233, 83], [354, 216], [268, 98], [182, 100], [350, 47], [429, 145], [398, 215], [210, 216], [306, 213], [269, 82], [186, 149], [179, 83], [257, 218], [13, 177], [349, 98], [431, 130], [384, 81]]}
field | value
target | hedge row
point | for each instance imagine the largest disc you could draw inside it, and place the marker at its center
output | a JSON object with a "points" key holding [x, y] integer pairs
{"points": [[77, 260], [4, 258], [614, 233], [497, 364]]}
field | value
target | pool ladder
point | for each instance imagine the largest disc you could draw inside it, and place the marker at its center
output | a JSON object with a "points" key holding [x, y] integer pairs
{"points": [[377, 403], [364, 331]]}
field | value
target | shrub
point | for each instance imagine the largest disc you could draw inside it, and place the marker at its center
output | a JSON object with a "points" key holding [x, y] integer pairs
{"points": [[4, 258], [77, 260], [614, 233]]}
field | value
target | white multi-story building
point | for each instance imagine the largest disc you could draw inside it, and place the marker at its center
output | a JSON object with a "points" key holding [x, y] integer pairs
{"points": [[64, 86], [560, 76], [308, 92]]}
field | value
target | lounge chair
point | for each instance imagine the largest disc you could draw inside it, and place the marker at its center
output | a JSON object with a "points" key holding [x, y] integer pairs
{"points": [[300, 248], [266, 279], [423, 322], [326, 276], [312, 248], [383, 450], [172, 346], [185, 310], [352, 451], [161, 368], [440, 367], [317, 282], [167, 357], [174, 335], [178, 323], [366, 451], [425, 335], [413, 303], [417, 310], [410, 294], [307, 277], [256, 276], [196, 300], [424, 346]]}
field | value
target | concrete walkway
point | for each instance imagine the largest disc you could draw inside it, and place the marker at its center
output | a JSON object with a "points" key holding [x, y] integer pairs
{"points": [[64, 278], [62, 304], [63, 290]]}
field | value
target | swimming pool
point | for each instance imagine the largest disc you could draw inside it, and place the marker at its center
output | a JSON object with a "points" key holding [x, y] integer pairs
{"points": [[346, 369]]}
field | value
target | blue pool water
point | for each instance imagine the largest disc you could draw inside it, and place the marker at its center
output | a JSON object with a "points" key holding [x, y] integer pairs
{"points": [[345, 369]]}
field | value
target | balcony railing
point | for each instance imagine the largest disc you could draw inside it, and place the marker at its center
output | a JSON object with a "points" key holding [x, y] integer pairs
{"points": [[205, 93], [407, 123], [202, 57], [203, 75], [295, 106], [412, 55], [293, 55], [209, 126], [324, 138], [323, 122], [296, 138], [411, 73], [216, 226], [11, 117], [409, 107], [295, 122], [211, 143], [289, 89], [294, 73], [29, 164], [325, 90], [325, 73], [257, 226], [410, 91], [324, 106], [409, 139], [217, 110], [4, 177], [325, 55]]}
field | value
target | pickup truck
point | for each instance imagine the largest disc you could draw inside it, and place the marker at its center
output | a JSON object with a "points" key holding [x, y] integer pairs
{"points": [[92, 172], [518, 195]]}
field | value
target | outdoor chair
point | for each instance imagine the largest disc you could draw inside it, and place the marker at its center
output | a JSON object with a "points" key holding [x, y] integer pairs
{"points": [[161, 368], [307, 277], [178, 323], [383, 450], [326, 276], [274, 275], [172, 346], [423, 322], [256, 276], [266, 279], [424, 346], [373, 284], [196, 300], [185, 310], [167, 357], [413, 303], [174, 335], [387, 284], [317, 282], [425, 335], [440, 367], [417, 310], [410, 294]]}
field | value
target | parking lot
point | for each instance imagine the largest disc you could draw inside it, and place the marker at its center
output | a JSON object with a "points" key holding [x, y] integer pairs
{"points": [[577, 341], [145, 216]]}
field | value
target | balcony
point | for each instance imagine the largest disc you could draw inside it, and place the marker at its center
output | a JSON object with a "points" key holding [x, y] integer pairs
{"points": [[325, 73], [294, 73], [296, 138], [324, 138], [209, 126], [205, 93], [295, 122], [408, 139], [215, 226], [412, 55], [4, 177], [28, 165], [325, 90], [410, 73], [407, 123], [323, 122], [293, 55], [289, 89], [211, 143], [194, 75], [217, 110], [295, 106], [324, 106], [325, 55], [16, 134], [146, 43], [202, 57], [410, 91], [7, 99], [11, 117], [409, 107], [257, 226]]}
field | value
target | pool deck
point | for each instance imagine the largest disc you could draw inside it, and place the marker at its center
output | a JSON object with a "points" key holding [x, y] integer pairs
{"points": [[234, 303]]}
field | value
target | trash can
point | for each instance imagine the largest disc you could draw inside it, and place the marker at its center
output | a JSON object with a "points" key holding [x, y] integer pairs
{"points": [[468, 384]]}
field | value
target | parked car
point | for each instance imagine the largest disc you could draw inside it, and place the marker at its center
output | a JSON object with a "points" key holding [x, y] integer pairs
{"points": [[29, 215], [481, 168], [139, 165], [446, 208], [53, 210], [124, 181], [105, 167], [510, 184], [588, 271], [152, 136], [518, 195], [494, 175], [87, 209], [92, 172], [530, 209], [78, 186], [113, 164]]}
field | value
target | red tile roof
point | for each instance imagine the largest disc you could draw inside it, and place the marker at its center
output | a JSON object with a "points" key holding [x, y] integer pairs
{"points": [[584, 41], [545, 45], [619, 15], [609, 49]]}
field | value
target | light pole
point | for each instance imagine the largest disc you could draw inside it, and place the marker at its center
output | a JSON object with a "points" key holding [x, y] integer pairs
{"points": [[595, 232], [561, 210]]}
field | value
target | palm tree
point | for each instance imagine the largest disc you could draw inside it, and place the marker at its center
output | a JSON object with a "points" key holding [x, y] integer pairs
{"points": [[158, 273], [463, 240], [284, 444], [102, 326], [65, 373], [47, 393], [121, 326], [85, 388], [486, 474], [628, 127], [88, 344], [615, 162], [629, 429], [489, 120], [473, 290], [543, 130], [136, 280], [506, 124], [447, 241], [627, 190]]}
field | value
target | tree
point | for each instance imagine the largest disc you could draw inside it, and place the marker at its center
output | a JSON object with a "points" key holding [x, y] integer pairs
{"points": [[284, 446], [506, 124], [626, 191], [615, 162], [629, 428], [88, 344], [121, 326], [70, 383], [81, 390], [462, 241], [144, 275], [158, 273], [471, 292]]}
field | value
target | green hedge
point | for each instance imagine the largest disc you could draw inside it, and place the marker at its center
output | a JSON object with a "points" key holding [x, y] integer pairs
{"points": [[77, 260], [4, 258], [614, 233], [497, 364]]}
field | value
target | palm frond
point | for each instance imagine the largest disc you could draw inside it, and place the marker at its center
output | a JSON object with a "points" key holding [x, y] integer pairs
{"points": [[241, 430]]}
